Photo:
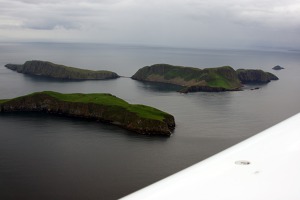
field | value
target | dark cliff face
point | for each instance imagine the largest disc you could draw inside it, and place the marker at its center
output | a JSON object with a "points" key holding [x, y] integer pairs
{"points": [[13, 67], [48, 69], [272, 77], [110, 114], [196, 88], [255, 76]]}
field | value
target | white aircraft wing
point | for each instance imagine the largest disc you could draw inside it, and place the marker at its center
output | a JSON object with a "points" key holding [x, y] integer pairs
{"points": [[263, 167]]}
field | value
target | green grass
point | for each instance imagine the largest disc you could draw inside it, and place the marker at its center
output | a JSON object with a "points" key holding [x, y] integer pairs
{"points": [[214, 77], [86, 71], [97, 98], [70, 69], [105, 99], [186, 73], [147, 112], [218, 81], [45, 68], [3, 101], [110, 100]]}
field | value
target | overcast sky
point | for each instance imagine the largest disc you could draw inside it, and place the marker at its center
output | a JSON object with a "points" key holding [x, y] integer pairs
{"points": [[182, 23]]}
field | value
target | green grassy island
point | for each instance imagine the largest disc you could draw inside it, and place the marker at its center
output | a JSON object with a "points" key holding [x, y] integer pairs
{"points": [[100, 107], [48, 69], [194, 79]]}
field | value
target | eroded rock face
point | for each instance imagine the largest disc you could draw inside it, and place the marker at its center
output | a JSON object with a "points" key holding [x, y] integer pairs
{"points": [[196, 88], [48, 69], [255, 76], [42, 102]]}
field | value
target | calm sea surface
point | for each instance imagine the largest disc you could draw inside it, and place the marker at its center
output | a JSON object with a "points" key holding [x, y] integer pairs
{"points": [[50, 157]]}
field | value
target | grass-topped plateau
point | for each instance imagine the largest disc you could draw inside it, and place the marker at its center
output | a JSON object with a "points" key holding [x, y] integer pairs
{"points": [[101, 107]]}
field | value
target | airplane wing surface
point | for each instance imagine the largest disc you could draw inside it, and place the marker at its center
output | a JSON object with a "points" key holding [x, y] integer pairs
{"points": [[265, 166]]}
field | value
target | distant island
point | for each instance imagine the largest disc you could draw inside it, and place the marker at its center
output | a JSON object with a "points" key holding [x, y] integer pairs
{"points": [[277, 67], [51, 70], [209, 79], [256, 76], [100, 107]]}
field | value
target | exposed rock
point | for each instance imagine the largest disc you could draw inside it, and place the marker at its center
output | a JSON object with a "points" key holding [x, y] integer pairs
{"points": [[100, 107], [255, 76], [196, 88], [48, 69], [277, 67], [272, 77]]}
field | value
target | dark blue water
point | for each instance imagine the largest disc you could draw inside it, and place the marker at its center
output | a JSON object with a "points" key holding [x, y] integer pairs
{"points": [[50, 157]]}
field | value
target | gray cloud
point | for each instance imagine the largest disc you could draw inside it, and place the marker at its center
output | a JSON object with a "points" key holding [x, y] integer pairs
{"points": [[66, 1], [45, 24], [197, 23]]}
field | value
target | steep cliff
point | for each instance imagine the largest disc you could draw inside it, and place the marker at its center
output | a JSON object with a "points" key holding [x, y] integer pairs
{"points": [[193, 79], [255, 76], [101, 107], [48, 69]]}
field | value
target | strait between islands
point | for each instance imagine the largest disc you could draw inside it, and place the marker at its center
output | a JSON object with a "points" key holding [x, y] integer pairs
{"points": [[108, 108], [191, 79]]}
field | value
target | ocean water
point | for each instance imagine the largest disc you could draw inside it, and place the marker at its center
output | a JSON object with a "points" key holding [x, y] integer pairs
{"points": [[50, 157]]}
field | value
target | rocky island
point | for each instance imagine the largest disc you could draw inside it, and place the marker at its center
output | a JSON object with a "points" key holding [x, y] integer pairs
{"points": [[48, 69], [209, 79], [100, 107], [278, 67], [256, 76], [192, 79]]}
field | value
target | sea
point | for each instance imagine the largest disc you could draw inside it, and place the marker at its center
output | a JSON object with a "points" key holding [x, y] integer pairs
{"points": [[52, 157]]}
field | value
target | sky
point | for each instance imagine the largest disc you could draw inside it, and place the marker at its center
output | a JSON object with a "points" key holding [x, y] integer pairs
{"points": [[176, 23]]}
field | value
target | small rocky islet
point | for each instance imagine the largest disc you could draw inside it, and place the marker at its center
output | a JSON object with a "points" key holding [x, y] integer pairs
{"points": [[278, 67], [97, 106]]}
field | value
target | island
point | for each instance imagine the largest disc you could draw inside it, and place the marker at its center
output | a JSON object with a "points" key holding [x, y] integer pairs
{"points": [[191, 79], [277, 67], [51, 70], [255, 76], [96, 106]]}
